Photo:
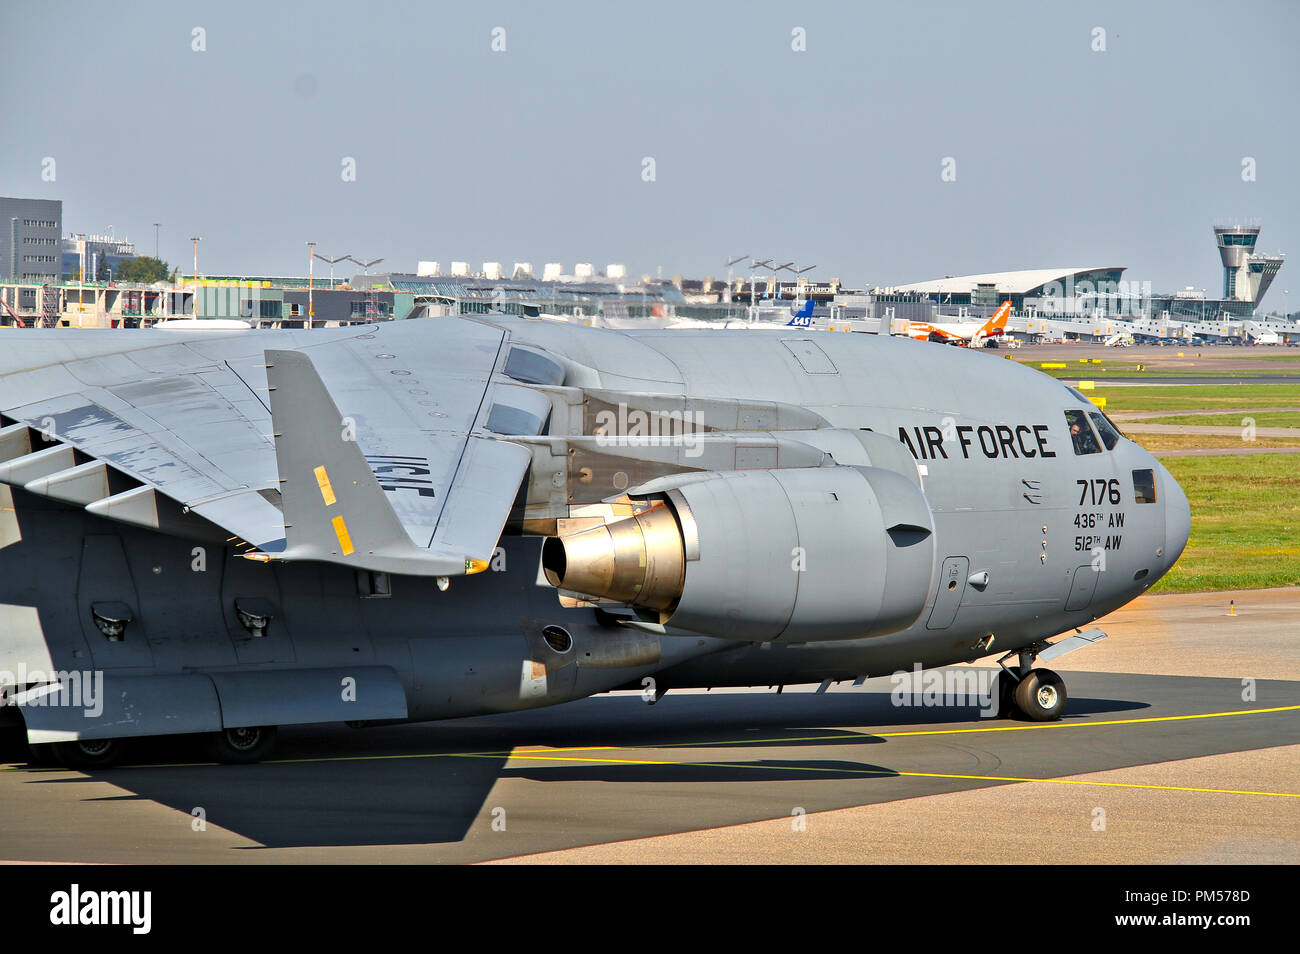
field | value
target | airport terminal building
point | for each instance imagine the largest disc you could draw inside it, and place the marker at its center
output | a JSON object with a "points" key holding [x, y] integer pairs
{"points": [[1089, 292]]}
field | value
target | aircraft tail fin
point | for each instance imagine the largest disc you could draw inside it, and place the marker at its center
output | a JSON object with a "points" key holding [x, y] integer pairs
{"points": [[334, 508], [996, 324], [803, 317]]}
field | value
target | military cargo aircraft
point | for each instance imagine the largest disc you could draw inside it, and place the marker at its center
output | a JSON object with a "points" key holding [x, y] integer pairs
{"points": [[214, 534]]}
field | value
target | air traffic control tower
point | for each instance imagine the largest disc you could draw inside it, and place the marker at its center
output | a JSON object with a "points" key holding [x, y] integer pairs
{"points": [[1246, 276]]}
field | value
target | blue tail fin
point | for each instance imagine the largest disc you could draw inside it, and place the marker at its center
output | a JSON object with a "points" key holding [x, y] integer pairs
{"points": [[803, 317]]}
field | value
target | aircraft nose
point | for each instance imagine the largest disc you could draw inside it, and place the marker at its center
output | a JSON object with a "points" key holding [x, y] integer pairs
{"points": [[1178, 517]]}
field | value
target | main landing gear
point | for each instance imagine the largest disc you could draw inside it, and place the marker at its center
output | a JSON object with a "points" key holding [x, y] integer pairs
{"points": [[241, 746]]}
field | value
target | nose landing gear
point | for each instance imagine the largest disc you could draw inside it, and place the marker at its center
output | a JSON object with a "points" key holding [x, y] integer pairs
{"points": [[1038, 694]]}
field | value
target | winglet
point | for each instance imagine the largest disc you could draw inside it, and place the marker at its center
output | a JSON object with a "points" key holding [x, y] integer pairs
{"points": [[334, 508]]}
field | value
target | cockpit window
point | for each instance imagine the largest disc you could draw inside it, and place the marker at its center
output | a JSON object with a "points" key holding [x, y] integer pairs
{"points": [[1085, 442], [1109, 436], [1144, 486]]}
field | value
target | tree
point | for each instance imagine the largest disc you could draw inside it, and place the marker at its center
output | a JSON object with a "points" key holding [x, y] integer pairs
{"points": [[101, 269], [144, 269]]}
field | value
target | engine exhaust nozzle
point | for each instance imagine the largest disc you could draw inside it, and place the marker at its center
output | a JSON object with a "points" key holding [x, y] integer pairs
{"points": [[640, 560]]}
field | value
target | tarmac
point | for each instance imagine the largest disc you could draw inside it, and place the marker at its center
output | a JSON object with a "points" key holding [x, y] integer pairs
{"points": [[1181, 742]]}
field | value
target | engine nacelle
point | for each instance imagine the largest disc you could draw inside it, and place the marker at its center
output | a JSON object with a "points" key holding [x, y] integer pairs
{"points": [[795, 555]]}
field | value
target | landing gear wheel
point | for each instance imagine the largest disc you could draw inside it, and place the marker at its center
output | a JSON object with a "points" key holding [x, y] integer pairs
{"points": [[88, 753], [1040, 695], [241, 746]]}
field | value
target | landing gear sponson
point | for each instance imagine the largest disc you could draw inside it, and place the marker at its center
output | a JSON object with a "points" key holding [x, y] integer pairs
{"points": [[1038, 694]]}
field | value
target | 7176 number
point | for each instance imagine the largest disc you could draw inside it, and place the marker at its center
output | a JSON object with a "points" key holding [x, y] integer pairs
{"points": [[1099, 490]]}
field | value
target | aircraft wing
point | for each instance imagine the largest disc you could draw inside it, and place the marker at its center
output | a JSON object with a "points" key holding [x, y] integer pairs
{"points": [[345, 447]]}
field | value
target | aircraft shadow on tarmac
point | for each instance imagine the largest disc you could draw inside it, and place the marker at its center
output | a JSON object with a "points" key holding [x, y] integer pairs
{"points": [[420, 784]]}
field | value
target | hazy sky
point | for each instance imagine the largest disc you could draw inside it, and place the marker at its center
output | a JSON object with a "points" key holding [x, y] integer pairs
{"points": [[832, 155]]}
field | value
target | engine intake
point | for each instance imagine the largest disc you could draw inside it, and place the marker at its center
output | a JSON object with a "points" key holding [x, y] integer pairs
{"points": [[796, 554]]}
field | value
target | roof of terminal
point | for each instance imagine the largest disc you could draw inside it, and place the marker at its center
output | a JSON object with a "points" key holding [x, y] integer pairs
{"points": [[1016, 283], [523, 288]]}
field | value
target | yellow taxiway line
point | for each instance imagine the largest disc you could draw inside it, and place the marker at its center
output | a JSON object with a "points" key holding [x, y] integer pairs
{"points": [[557, 754]]}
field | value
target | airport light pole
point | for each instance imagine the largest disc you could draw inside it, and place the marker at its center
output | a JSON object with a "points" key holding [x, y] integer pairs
{"points": [[332, 262], [776, 282], [731, 262], [311, 272], [365, 267], [196, 239], [798, 272], [155, 239], [765, 263]]}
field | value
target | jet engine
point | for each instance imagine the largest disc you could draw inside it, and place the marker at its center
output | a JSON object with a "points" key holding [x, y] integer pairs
{"points": [[790, 554]]}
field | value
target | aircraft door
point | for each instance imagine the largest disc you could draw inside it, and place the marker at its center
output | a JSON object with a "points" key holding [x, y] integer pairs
{"points": [[952, 586], [1082, 587]]}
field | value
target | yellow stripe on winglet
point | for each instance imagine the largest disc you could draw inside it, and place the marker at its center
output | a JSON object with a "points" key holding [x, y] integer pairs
{"points": [[326, 488], [345, 538]]}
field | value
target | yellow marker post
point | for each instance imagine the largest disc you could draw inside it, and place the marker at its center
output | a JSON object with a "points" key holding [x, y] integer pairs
{"points": [[1099, 401]]}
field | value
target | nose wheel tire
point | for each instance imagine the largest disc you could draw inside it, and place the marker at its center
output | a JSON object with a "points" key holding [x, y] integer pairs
{"points": [[88, 753], [1041, 695], [241, 746]]}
